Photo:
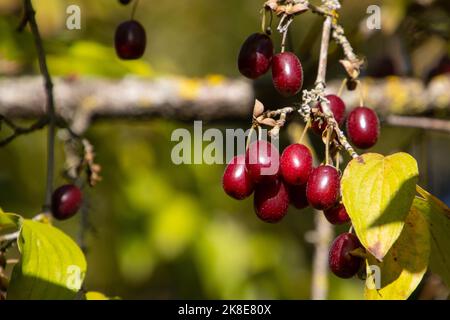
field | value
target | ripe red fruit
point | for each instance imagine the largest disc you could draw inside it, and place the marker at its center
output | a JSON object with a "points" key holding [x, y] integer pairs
{"points": [[287, 73], [236, 182], [296, 164], [297, 196], [262, 161], [255, 56], [130, 40], [271, 201], [337, 107], [337, 214], [363, 127], [66, 201], [323, 188], [341, 262]]}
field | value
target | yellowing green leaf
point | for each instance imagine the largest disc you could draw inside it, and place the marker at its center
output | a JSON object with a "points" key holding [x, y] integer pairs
{"points": [[9, 221], [52, 266], [377, 192], [438, 217], [93, 295], [405, 264]]}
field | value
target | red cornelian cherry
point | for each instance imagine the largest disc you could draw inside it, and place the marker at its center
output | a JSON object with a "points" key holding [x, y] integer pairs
{"points": [[337, 215], [297, 196], [236, 182], [262, 161], [296, 164], [271, 201], [287, 74], [255, 56], [323, 188], [342, 263], [363, 127], [66, 201], [337, 107], [130, 40]]}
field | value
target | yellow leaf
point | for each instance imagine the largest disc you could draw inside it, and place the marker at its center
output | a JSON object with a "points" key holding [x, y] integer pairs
{"points": [[405, 264], [377, 192]]}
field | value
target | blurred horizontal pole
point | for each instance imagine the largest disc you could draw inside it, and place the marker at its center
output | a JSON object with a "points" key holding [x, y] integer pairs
{"points": [[419, 122], [81, 100]]}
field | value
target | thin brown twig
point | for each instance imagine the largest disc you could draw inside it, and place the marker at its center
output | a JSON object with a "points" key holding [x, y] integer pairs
{"points": [[18, 130], [31, 19]]}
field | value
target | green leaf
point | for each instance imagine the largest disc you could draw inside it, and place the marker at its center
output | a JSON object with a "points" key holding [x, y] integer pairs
{"points": [[438, 218], [9, 221], [377, 192], [52, 266], [405, 264]]}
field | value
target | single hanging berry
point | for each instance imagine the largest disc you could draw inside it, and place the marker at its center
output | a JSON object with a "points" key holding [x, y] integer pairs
{"points": [[130, 40], [296, 164], [363, 127], [323, 189], [66, 201], [262, 161], [255, 56], [287, 74], [337, 107], [342, 263], [271, 201], [337, 215], [236, 182], [124, 2]]}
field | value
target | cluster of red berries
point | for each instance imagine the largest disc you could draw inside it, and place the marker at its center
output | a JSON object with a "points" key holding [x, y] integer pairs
{"points": [[257, 57], [294, 180], [66, 201], [130, 38]]}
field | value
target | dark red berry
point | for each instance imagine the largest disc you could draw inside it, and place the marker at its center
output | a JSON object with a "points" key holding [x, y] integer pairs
{"points": [[255, 56], [363, 127], [66, 201], [337, 214], [271, 201], [296, 164], [262, 161], [323, 189], [236, 182], [297, 196], [124, 2], [130, 40], [287, 73], [337, 107], [342, 263]]}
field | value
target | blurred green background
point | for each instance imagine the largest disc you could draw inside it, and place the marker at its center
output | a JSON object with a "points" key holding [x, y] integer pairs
{"points": [[165, 231]]}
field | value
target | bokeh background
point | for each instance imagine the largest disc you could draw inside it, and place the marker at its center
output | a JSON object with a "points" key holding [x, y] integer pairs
{"points": [[165, 231]]}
